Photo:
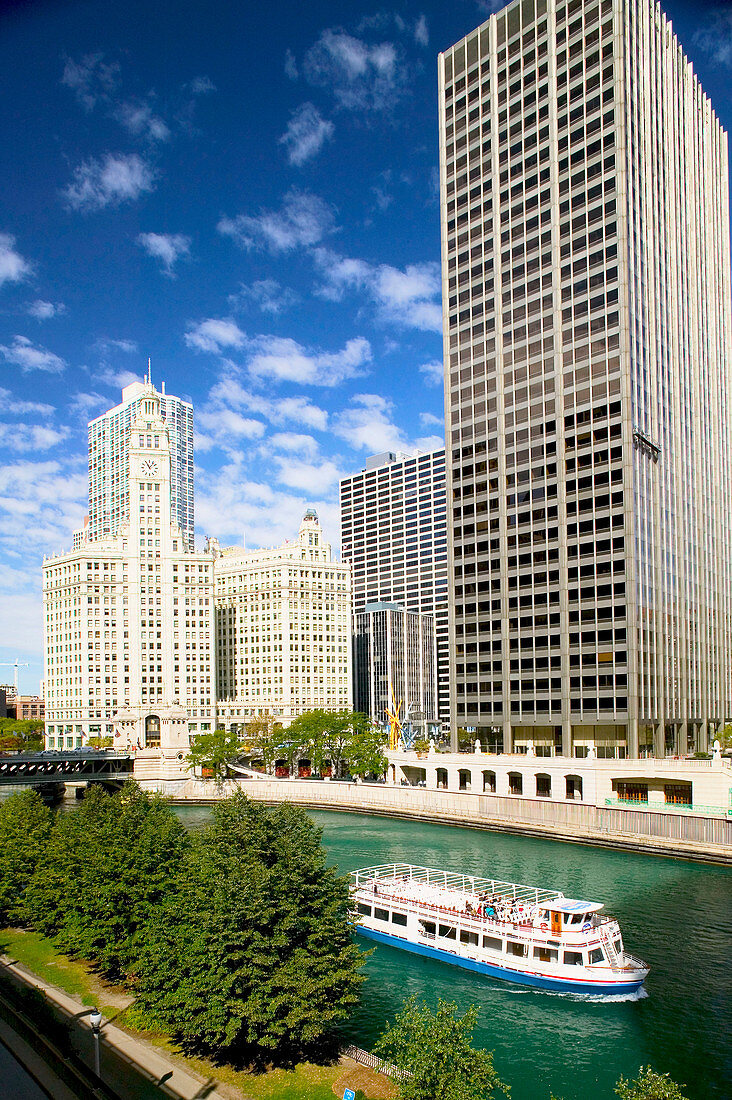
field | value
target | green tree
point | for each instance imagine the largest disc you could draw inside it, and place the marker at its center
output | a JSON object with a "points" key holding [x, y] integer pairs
{"points": [[25, 826], [216, 752], [435, 1052], [649, 1085], [363, 753], [325, 736], [106, 868], [264, 739], [100, 742], [21, 735], [251, 959]]}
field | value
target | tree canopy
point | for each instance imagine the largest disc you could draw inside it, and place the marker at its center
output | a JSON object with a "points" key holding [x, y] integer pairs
{"points": [[256, 933], [25, 826], [21, 735], [265, 740], [649, 1085], [330, 737], [104, 871], [215, 752], [435, 1050]]}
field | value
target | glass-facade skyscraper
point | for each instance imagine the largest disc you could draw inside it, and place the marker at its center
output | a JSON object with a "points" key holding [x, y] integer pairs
{"points": [[109, 438], [586, 291]]}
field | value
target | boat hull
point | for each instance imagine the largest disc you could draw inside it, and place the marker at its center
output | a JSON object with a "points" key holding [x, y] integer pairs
{"points": [[540, 981]]}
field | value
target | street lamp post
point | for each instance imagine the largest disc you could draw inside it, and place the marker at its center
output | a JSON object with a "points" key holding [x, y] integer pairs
{"points": [[95, 1019]]}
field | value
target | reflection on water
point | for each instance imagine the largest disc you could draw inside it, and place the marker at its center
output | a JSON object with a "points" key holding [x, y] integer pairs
{"points": [[677, 916]]}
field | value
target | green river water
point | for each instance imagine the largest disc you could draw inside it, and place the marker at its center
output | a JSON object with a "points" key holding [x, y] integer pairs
{"points": [[675, 915]]}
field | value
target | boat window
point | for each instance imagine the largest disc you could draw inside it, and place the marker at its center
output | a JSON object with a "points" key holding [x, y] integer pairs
{"points": [[517, 948], [364, 910], [428, 927], [447, 932], [468, 937], [399, 918], [577, 918], [597, 956], [546, 955], [573, 958], [618, 945], [381, 914], [492, 943]]}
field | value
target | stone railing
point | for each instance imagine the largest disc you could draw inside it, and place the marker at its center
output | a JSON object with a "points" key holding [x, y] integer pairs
{"points": [[570, 820]]}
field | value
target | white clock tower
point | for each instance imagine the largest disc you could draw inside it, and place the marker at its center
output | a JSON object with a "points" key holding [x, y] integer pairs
{"points": [[137, 607]]}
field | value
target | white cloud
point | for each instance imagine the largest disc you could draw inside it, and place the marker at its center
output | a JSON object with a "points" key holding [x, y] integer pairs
{"points": [[202, 85], [90, 79], [488, 7], [430, 443], [315, 477], [116, 178], [291, 65], [41, 502], [13, 268], [421, 32], [228, 423], [116, 379], [368, 425], [214, 335], [303, 220], [429, 419], [715, 39], [86, 404], [267, 294], [306, 133], [43, 311], [228, 392], [166, 247], [402, 297], [140, 121], [284, 360], [10, 406], [361, 77], [299, 410], [26, 355], [105, 345], [294, 443], [233, 505], [434, 372], [30, 437]]}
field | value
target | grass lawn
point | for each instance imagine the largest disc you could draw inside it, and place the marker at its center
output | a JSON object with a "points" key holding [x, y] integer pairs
{"points": [[39, 955], [304, 1082]]}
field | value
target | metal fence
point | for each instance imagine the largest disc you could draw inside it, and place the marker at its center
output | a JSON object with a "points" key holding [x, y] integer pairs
{"points": [[365, 1058]]}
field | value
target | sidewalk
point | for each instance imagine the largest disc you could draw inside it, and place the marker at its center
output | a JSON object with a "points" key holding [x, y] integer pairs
{"points": [[152, 1065]]}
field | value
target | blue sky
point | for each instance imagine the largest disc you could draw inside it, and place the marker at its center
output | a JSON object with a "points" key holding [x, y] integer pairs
{"points": [[246, 193]]}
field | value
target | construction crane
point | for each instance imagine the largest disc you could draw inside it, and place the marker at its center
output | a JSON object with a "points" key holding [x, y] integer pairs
{"points": [[16, 664]]}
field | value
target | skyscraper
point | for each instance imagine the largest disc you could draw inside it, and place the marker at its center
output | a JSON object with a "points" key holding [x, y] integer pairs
{"points": [[394, 534], [394, 663], [283, 629], [109, 437], [586, 276], [129, 617]]}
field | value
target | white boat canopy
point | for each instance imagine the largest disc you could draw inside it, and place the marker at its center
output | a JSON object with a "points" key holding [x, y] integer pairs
{"points": [[569, 905]]}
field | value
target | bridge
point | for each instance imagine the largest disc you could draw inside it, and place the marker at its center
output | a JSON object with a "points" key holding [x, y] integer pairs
{"points": [[75, 766]]}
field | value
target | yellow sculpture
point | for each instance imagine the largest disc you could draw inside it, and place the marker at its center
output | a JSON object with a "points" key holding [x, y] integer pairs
{"points": [[395, 722]]}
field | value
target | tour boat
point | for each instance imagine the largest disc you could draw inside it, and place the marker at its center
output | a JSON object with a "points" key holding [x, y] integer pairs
{"points": [[501, 929]]}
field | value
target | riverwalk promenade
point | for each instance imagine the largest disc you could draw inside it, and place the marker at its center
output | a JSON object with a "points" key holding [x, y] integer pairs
{"points": [[652, 831]]}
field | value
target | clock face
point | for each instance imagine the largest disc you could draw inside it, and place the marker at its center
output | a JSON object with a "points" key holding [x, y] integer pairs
{"points": [[149, 467]]}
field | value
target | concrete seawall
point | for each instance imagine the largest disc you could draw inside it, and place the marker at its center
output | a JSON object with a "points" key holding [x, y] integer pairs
{"points": [[685, 836]]}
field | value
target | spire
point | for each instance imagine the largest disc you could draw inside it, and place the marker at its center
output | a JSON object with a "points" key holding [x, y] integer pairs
{"points": [[149, 372]]}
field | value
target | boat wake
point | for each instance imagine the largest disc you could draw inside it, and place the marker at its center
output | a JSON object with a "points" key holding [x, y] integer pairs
{"points": [[581, 998]]}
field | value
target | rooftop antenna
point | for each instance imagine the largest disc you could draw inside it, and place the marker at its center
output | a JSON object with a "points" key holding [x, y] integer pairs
{"points": [[149, 371]]}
